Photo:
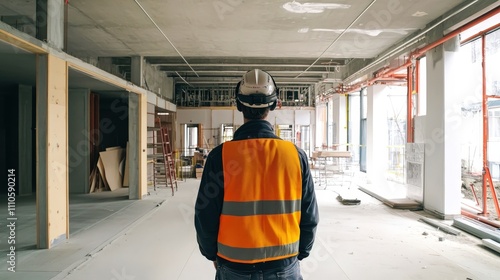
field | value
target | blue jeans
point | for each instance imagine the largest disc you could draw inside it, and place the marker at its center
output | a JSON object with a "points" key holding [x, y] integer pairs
{"points": [[291, 272]]}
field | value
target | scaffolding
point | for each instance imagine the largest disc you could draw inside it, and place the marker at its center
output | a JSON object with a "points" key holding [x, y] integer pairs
{"points": [[223, 96]]}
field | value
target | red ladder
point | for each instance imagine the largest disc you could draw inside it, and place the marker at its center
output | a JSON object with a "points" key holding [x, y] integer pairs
{"points": [[168, 160]]}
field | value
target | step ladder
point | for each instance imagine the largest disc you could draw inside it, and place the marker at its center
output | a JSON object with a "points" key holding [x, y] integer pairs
{"points": [[162, 158]]}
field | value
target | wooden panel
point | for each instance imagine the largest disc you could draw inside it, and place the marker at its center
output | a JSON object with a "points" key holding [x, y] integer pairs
{"points": [[20, 43], [57, 150], [111, 160]]}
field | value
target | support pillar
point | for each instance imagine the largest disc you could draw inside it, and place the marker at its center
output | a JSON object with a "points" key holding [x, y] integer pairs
{"points": [[339, 121], [376, 138], [136, 69], [50, 22], [442, 134], [137, 146], [52, 151]]}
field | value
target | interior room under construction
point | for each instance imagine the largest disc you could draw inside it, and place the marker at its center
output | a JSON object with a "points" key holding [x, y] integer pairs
{"points": [[109, 109]]}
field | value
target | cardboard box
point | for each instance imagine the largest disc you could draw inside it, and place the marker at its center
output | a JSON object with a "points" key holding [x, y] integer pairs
{"points": [[199, 172], [198, 156]]}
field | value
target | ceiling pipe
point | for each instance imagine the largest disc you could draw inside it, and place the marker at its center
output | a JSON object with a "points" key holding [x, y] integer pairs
{"points": [[412, 40], [164, 35], [479, 34], [183, 79], [245, 65], [421, 52], [480, 219], [409, 105], [241, 72]]}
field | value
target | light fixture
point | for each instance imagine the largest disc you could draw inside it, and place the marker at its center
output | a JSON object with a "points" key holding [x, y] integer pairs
{"points": [[312, 8]]}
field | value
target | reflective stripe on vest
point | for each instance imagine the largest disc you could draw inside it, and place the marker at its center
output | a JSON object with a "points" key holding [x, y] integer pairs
{"points": [[262, 198]]}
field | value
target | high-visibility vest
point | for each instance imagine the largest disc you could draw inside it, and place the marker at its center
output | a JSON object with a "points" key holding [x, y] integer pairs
{"points": [[262, 200]]}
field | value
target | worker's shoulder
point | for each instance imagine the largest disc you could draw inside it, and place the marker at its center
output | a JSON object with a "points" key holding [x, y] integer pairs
{"points": [[217, 151]]}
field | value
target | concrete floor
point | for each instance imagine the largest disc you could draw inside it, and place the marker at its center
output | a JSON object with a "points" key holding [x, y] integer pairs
{"points": [[154, 238]]}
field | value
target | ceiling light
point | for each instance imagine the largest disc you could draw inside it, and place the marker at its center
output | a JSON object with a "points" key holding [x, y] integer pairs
{"points": [[312, 8], [419, 14]]}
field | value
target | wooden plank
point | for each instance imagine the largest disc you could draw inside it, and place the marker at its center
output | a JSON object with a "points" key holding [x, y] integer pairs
{"points": [[93, 180], [57, 155], [396, 203], [403, 203], [125, 172], [102, 173], [337, 154], [111, 161]]}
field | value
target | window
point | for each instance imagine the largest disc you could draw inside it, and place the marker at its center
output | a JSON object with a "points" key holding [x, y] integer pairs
{"points": [[494, 124]]}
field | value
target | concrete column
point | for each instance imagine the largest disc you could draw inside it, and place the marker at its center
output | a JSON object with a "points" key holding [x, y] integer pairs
{"points": [[442, 138], [25, 178], [376, 138], [137, 146], [321, 125], [50, 22], [136, 76], [52, 151], [340, 121], [79, 140]]}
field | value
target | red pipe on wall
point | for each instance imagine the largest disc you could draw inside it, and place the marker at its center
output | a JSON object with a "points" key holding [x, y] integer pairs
{"points": [[480, 219], [421, 52], [409, 105], [485, 126]]}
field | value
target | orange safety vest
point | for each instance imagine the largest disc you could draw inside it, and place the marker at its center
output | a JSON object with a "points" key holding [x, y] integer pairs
{"points": [[262, 200]]}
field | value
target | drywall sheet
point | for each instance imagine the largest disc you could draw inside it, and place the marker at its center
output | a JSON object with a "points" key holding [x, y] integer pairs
{"points": [[100, 166], [125, 171], [111, 160]]}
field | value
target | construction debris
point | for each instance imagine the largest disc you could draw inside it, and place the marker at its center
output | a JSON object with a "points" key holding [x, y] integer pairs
{"points": [[348, 201], [108, 175], [440, 226], [476, 228], [492, 245], [396, 203]]}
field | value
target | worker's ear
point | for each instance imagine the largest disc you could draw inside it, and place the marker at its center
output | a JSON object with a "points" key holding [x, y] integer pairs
{"points": [[236, 92], [272, 107]]}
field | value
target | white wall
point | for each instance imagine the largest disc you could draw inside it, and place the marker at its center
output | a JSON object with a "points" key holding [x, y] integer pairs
{"points": [[212, 118]]}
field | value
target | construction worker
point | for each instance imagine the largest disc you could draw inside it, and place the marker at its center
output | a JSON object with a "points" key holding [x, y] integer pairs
{"points": [[256, 212]]}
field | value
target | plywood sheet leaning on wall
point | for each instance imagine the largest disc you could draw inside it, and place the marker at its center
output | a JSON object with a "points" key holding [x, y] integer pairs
{"points": [[97, 178], [111, 161], [125, 171]]}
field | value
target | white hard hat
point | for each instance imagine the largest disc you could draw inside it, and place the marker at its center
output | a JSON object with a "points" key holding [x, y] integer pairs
{"points": [[257, 89]]}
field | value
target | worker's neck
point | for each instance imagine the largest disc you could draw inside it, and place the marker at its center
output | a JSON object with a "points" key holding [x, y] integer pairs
{"points": [[245, 120]]}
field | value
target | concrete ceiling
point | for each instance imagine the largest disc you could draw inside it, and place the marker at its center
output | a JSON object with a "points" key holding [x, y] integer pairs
{"points": [[217, 41]]}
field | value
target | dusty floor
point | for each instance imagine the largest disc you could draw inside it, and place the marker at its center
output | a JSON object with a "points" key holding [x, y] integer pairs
{"points": [[365, 241]]}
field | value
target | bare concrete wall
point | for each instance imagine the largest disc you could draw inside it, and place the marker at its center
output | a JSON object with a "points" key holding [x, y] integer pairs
{"points": [[158, 82]]}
